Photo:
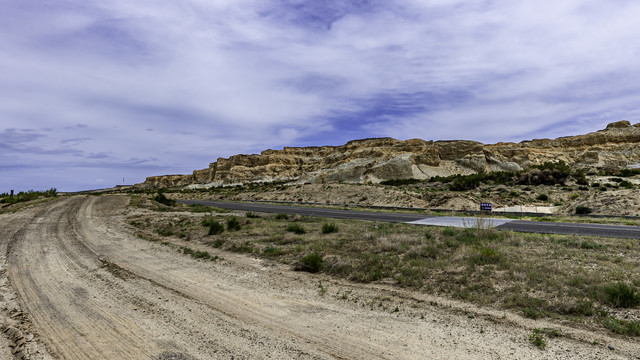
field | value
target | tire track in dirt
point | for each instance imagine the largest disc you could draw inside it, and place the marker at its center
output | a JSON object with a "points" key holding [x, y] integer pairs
{"points": [[265, 313], [58, 274], [55, 281], [93, 290]]}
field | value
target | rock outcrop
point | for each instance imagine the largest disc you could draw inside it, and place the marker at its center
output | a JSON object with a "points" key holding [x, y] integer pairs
{"points": [[379, 159]]}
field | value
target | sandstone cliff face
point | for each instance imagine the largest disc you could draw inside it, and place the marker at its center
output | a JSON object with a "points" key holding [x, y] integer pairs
{"points": [[379, 159]]}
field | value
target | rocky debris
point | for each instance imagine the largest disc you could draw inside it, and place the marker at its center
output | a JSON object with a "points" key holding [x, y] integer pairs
{"points": [[17, 341], [378, 159]]}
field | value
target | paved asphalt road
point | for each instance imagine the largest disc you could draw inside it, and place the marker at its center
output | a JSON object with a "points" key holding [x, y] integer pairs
{"points": [[617, 231]]}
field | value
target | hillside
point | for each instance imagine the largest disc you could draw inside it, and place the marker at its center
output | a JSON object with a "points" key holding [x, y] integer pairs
{"points": [[380, 159]]}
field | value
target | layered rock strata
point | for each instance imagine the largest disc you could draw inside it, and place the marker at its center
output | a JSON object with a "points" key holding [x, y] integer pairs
{"points": [[379, 159]]}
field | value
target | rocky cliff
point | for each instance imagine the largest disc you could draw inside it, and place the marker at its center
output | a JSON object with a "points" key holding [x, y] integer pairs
{"points": [[379, 159]]}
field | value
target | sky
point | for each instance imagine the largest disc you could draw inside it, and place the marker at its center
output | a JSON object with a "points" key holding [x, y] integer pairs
{"points": [[100, 93]]}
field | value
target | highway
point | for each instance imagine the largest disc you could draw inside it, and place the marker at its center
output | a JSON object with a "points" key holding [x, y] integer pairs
{"points": [[604, 230]]}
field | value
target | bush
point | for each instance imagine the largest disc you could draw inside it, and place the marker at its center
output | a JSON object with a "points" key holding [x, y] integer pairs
{"points": [[282, 217], [328, 228], [626, 184], [251, 215], [399, 182], [208, 220], [462, 183], [188, 251], [245, 247], [537, 339], [542, 177], [233, 224], [583, 210], [296, 228], [621, 295], [542, 197], [216, 228], [448, 231], [555, 166], [485, 255], [622, 327], [202, 255], [166, 230], [26, 196], [311, 263], [272, 251], [162, 199]]}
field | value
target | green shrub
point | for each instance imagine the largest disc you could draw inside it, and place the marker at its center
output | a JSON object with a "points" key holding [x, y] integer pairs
{"points": [[542, 197], [26, 196], [272, 251], [311, 263], [399, 182], [583, 210], [202, 255], [468, 182], [218, 243], [162, 199], [215, 228], [296, 228], [251, 215], [485, 255], [621, 295], [622, 327], [166, 230], [537, 339], [245, 247], [233, 224], [282, 217], [626, 184], [448, 231], [328, 228], [557, 166], [590, 245], [208, 220]]}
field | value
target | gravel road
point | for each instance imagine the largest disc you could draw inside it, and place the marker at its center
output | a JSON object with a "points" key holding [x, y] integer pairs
{"points": [[76, 283]]}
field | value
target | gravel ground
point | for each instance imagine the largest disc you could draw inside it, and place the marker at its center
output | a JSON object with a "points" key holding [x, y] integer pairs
{"points": [[76, 283]]}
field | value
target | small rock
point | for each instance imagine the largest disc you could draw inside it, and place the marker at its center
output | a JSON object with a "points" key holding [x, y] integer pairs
{"points": [[610, 347], [29, 337]]}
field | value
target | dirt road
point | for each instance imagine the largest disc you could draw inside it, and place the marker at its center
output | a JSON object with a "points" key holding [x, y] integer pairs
{"points": [[76, 283]]}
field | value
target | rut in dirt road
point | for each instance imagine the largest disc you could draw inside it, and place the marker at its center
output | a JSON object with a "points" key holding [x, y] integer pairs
{"points": [[75, 277], [91, 289], [56, 278]]}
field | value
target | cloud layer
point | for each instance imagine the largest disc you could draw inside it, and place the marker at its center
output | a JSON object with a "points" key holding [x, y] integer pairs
{"points": [[94, 92]]}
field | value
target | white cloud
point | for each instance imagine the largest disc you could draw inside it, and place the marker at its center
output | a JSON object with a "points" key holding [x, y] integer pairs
{"points": [[217, 78]]}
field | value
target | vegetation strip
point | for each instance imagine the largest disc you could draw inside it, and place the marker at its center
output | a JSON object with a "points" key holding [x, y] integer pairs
{"points": [[589, 281]]}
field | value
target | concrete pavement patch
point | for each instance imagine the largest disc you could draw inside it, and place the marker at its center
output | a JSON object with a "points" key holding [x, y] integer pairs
{"points": [[462, 222]]}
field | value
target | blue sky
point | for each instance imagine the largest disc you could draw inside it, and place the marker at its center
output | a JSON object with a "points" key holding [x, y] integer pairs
{"points": [[94, 92]]}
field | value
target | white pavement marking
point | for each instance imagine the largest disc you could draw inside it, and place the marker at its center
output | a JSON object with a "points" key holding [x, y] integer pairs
{"points": [[464, 222]]}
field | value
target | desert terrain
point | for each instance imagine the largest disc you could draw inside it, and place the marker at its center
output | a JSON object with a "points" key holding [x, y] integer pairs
{"points": [[129, 273], [92, 277]]}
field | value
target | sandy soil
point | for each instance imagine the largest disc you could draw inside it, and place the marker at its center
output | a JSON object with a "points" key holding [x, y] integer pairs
{"points": [[349, 194], [76, 283], [562, 200]]}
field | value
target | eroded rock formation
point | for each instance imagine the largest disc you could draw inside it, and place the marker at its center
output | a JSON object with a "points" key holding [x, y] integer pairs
{"points": [[379, 159]]}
